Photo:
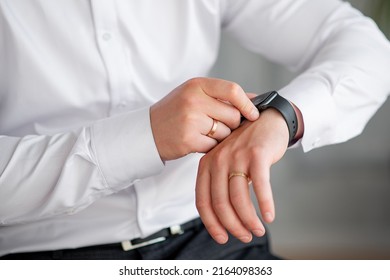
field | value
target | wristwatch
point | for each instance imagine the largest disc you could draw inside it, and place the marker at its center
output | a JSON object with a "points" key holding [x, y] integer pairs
{"points": [[272, 99]]}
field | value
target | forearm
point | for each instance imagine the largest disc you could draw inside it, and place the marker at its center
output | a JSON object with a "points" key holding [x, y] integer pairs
{"points": [[44, 176]]}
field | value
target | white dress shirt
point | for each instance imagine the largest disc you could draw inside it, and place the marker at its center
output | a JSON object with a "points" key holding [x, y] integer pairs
{"points": [[78, 163]]}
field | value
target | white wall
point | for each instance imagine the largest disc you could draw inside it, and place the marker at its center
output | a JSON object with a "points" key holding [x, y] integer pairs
{"points": [[332, 202]]}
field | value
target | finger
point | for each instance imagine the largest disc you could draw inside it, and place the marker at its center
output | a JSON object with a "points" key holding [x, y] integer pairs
{"points": [[243, 205], [203, 144], [204, 206], [223, 207], [222, 111], [251, 95], [197, 138], [263, 191], [231, 92], [217, 130]]}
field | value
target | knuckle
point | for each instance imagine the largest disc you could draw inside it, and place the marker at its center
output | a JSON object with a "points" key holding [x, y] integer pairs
{"points": [[202, 204], [242, 103], [188, 100], [219, 160], [237, 198], [233, 89], [237, 156], [219, 206], [262, 184], [235, 119], [193, 82], [188, 119], [257, 152], [189, 96]]}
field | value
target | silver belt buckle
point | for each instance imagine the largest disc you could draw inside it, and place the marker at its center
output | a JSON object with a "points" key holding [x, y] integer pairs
{"points": [[127, 245]]}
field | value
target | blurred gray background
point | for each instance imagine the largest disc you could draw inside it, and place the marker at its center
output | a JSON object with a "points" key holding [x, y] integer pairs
{"points": [[333, 202]]}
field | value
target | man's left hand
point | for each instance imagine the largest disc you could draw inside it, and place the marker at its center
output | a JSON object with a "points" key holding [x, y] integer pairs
{"points": [[225, 204]]}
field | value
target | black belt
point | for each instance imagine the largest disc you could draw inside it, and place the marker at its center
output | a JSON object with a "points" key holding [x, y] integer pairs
{"points": [[127, 245], [160, 236]]}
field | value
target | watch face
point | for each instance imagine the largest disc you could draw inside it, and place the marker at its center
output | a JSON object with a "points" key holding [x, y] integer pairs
{"points": [[264, 99]]}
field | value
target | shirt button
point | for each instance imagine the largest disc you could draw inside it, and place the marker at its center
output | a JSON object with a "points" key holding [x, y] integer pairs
{"points": [[106, 36]]}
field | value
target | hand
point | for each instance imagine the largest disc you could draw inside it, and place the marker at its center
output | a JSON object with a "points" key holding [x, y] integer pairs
{"points": [[225, 205], [182, 120]]}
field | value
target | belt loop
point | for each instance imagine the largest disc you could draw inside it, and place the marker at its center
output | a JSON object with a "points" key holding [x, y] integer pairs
{"points": [[176, 230]]}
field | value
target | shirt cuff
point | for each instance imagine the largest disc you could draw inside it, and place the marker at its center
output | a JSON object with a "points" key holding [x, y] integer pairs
{"points": [[125, 148], [313, 98]]}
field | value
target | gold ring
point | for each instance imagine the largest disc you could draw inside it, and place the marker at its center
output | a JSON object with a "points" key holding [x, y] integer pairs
{"points": [[241, 174], [213, 128]]}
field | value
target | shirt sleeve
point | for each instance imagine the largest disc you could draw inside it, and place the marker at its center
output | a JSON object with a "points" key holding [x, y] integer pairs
{"points": [[64, 173], [342, 58]]}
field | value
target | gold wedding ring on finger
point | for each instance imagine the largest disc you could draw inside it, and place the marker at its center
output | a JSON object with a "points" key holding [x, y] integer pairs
{"points": [[240, 174], [213, 128]]}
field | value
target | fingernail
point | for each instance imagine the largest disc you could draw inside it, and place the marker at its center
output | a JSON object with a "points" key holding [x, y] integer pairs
{"points": [[246, 238], [258, 232], [221, 239], [255, 113]]}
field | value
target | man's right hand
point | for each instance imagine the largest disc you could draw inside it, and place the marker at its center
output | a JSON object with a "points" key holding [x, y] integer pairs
{"points": [[182, 120]]}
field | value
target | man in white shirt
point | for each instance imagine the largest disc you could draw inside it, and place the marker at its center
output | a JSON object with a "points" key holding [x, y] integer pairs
{"points": [[103, 122]]}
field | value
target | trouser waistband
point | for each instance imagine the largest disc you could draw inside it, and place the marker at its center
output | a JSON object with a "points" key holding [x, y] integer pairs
{"points": [[126, 245]]}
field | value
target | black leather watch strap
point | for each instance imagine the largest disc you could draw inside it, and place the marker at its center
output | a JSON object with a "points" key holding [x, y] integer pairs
{"points": [[273, 100]]}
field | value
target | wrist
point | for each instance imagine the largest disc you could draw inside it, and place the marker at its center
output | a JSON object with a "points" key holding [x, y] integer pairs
{"points": [[270, 130], [287, 110]]}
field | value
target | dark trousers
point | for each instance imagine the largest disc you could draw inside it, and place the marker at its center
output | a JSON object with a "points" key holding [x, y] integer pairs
{"points": [[194, 244]]}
